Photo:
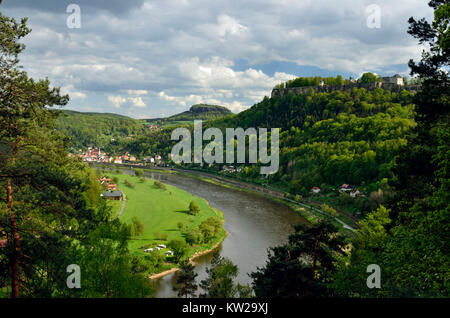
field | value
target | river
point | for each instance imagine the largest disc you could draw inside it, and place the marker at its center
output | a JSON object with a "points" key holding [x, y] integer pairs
{"points": [[254, 224]]}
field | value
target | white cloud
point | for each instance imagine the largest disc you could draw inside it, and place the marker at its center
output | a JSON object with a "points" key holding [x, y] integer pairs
{"points": [[117, 101], [137, 101], [185, 52], [137, 92], [72, 94], [229, 26]]}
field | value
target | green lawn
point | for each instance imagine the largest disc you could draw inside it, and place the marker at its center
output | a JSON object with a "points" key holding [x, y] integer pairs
{"points": [[115, 207], [160, 211]]}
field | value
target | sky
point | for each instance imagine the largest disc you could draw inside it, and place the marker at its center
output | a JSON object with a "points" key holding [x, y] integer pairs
{"points": [[149, 59]]}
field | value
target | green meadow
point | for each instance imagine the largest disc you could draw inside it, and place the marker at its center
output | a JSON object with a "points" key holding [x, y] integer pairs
{"points": [[160, 210]]}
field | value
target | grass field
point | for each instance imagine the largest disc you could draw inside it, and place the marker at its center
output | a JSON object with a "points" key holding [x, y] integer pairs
{"points": [[160, 211], [116, 206]]}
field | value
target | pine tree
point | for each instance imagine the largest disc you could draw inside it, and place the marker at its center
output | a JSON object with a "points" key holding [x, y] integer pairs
{"points": [[31, 153], [186, 285]]}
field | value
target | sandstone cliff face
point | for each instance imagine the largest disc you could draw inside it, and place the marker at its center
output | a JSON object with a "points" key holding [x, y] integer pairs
{"points": [[277, 92]]}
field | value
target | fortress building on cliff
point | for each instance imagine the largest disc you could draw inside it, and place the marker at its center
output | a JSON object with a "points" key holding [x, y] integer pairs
{"points": [[393, 83]]}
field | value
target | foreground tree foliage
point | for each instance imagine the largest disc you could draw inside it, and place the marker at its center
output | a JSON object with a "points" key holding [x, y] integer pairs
{"points": [[51, 212], [186, 285], [410, 243], [220, 280], [304, 267]]}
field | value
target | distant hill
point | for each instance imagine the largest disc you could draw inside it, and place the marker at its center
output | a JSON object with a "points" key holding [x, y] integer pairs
{"points": [[97, 129], [196, 112], [108, 130]]}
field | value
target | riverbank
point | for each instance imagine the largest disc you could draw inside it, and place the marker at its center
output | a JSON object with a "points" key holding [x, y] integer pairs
{"points": [[191, 260], [163, 211], [309, 209]]}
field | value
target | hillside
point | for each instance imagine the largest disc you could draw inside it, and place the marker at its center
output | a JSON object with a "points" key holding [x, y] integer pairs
{"points": [[327, 139], [113, 132], [196, 112], [97, 129]]}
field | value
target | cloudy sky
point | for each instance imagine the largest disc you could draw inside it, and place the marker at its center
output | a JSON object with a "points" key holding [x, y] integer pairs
{"points": [[148, 59]]}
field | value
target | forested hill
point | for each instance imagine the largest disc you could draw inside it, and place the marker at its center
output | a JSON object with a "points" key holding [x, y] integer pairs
{"points": [[196, 112], [345, 136], [97, 129], [109, 130]]}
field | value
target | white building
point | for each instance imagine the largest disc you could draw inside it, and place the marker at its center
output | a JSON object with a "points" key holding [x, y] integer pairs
{"points": [[396, 79], [315, 190]]}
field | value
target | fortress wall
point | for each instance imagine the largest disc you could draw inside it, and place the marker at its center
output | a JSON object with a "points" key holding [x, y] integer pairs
{"points": [[277, 92]]}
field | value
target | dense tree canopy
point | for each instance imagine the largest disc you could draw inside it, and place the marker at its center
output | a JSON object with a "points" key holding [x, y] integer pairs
{"points": [[51, 212], [409, 241]]}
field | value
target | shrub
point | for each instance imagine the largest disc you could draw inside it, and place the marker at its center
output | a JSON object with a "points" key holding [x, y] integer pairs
{"points": [[179, 248], [138, 173], [328, 209], [194, 236], [155, 261], [193, 208], [210, 228], [129, 184], [137, 227], [160, 185]]}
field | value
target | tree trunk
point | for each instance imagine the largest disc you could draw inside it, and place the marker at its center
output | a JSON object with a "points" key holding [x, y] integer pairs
{"points": [[15, 243]]}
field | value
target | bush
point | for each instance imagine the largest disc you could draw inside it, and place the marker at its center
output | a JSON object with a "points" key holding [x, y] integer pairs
{"points": [[210, 228], [160, 185], [129, 184], [179, 248], [155, 261], [328, 209], [194, 236], [193, 208], [138, 173], [137, 227]]}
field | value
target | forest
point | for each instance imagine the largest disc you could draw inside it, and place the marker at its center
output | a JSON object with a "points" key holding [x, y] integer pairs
{"points": [[97, 129]]}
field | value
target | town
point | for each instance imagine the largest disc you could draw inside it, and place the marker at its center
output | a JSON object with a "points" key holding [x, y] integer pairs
{"points": [[95, 155]]}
